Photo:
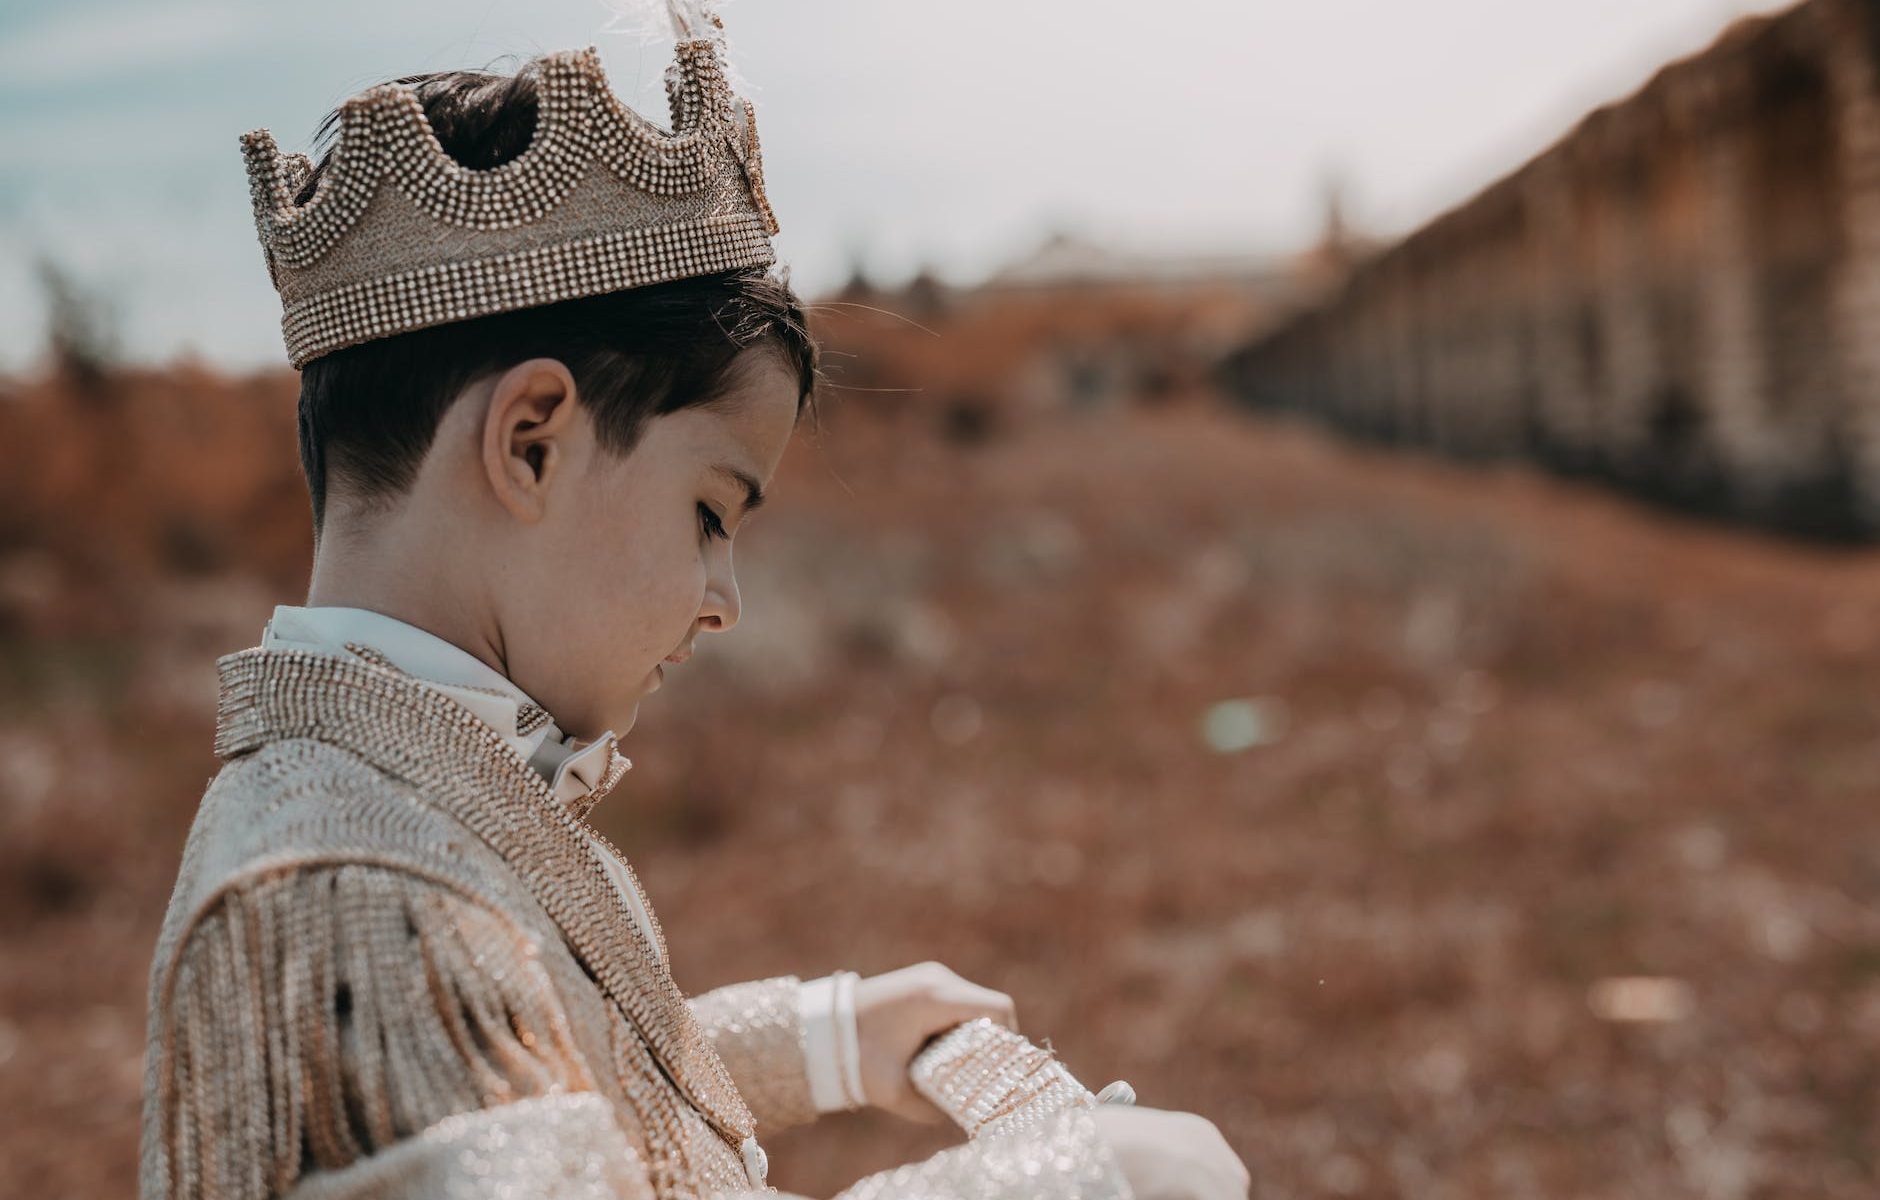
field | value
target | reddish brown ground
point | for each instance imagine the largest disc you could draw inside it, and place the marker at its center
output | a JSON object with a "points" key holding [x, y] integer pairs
{"points": [[1521, 737]]}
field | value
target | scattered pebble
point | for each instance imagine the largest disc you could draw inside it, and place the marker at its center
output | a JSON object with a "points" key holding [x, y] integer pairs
{"points": [[1641, 999], [1234, 726]]}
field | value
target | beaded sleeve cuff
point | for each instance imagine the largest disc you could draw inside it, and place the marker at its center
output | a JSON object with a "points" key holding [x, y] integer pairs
{"points": [[992, 1081]]}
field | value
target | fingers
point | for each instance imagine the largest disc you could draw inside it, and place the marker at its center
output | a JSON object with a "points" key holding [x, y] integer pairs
{"points": [[963, 1001], [975, 1002], [988, 1003], [952, 999]]}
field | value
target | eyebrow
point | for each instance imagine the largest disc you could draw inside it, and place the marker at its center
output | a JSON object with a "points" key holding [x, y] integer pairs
{"points": [[753, 491]]}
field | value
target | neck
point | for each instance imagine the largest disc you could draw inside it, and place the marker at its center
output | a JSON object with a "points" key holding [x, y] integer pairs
{"points": [[388, 566]]}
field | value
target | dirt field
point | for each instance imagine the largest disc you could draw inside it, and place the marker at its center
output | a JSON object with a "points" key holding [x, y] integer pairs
{"points": [[1321, 791]]}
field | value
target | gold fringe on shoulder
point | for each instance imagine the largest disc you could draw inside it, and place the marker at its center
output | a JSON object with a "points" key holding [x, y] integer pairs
{"points": [[326, 1014]]}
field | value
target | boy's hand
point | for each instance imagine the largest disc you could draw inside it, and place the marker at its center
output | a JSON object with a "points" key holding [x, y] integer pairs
{"points": [[897, 1012]]}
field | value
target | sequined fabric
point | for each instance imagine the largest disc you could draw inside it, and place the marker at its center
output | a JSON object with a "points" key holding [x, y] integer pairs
{"points": [[390, 955], [992, 1081], [756, 1030], [564, 1147], [1065, 1158]]}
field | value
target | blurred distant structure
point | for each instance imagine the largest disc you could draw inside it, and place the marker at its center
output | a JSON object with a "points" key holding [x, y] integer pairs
{"points": [[1067, 261], [1265, 285], [1078, 325], [1681, 295], [1189, 310]]}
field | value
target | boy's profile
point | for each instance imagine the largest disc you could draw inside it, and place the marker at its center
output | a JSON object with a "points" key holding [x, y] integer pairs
{"points": [[546, 378]]}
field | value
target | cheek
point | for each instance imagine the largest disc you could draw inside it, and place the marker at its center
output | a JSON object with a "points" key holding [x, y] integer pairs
{"points": [[653, 594], [642, 569]]}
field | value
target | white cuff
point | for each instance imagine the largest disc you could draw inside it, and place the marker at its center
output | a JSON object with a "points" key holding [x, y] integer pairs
{"points": [[830, 1045]]}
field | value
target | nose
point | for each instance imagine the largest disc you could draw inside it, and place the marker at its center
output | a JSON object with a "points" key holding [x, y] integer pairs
{"points": [[720, 609]]}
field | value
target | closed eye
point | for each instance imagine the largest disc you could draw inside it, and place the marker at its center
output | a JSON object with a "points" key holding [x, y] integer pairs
{"points": [[712, 526]]}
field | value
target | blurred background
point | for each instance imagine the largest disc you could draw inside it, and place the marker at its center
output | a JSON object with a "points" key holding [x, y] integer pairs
{"points": [[1337, 565]]}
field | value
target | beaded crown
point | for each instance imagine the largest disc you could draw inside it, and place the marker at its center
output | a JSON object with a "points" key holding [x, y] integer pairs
{"points": [[398, 236]]}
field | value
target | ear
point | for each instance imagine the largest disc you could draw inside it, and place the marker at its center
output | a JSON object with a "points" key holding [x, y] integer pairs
{"points": [[532, 412]]}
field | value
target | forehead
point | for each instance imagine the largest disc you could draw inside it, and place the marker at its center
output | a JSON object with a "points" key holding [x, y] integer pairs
{"points": [[753, 417]]}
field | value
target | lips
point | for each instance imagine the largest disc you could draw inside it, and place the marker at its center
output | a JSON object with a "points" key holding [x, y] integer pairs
{"points": [[678, 657]]}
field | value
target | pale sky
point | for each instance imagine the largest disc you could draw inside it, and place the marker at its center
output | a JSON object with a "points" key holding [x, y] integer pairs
{"points": [[896, 133]]}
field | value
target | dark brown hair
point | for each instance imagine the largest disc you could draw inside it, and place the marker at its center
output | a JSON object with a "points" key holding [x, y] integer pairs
{"points": [[368, 413]]}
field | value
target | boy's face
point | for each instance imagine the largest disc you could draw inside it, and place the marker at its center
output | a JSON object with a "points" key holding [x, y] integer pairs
{"points": [[629, 560]]}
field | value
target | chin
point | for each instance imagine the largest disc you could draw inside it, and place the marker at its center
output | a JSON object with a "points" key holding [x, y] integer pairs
{"points": [[616, 717], [624, 718]]}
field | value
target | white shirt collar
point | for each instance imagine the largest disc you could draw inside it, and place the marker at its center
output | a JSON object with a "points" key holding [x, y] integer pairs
{"points": [[572, 768], [416, 651]]}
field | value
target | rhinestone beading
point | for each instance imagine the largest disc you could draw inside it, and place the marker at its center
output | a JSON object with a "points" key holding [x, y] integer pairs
{"points": [[992, 1081], [691, 201]]}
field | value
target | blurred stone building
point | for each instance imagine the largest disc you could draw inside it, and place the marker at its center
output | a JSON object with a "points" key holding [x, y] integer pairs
{"points": [[1681, 295], [1075, 326]]}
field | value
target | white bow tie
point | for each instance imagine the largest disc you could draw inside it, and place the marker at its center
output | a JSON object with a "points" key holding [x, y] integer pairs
{"points": [[582, 773], [579, 772]]}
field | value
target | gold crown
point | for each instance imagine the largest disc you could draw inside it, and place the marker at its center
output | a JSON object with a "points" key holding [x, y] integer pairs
{"points": [[602, 199]]}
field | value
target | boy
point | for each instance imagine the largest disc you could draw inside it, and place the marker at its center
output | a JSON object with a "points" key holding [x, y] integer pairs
{"points": [[545, 379]]}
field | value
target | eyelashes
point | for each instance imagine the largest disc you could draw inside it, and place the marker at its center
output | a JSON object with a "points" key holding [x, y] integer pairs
{"points": [[709, 522]]}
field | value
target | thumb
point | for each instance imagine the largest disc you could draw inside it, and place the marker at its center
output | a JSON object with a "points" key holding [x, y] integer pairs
{"points": [[972, 1005]]}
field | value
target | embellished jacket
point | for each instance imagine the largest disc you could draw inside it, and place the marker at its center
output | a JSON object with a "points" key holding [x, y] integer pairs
{"points": [[394, 965]]}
